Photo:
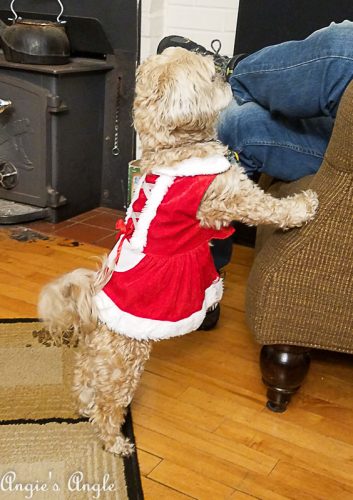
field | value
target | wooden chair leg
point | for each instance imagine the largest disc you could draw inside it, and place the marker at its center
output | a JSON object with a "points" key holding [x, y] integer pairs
{"points": [[283, 370]]}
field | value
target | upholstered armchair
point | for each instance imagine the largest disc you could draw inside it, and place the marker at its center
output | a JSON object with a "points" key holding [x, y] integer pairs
{"points": [[300, 289]]}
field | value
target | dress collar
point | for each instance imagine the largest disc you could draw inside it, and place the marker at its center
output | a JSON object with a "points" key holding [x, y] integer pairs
{"points": [[195, 166]]}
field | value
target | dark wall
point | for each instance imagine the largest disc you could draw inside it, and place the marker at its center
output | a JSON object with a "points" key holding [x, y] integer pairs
{"points": [[267, 22]]}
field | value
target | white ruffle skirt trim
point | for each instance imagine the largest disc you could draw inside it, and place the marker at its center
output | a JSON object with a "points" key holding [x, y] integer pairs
{"points": [[151, 329]]}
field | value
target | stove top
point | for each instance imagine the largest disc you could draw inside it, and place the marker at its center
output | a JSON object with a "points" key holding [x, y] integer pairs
{"points": [[76, 65]]}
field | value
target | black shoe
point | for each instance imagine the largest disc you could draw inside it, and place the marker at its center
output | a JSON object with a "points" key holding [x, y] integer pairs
{"points": [[211, 318], [232, 63], [180, 41], [224, 64]]}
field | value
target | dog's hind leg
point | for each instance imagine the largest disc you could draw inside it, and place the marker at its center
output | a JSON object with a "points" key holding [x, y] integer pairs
{"points": [[110, 368], [83, 379]]}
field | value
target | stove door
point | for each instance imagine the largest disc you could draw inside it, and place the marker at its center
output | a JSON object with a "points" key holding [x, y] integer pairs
{"points": [[24, 148]]}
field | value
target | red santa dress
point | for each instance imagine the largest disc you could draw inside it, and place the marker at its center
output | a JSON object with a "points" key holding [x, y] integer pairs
{"points": [[164, 279]]}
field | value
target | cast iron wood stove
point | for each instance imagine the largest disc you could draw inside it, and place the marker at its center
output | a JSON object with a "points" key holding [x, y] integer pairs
{"points": [[66, 133]]}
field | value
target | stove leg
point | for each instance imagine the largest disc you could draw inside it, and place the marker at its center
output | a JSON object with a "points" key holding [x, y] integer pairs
{"points": [[283, 370]]}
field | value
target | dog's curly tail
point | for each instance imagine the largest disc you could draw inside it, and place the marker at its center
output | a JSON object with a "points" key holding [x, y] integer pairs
{"points": [[66, 305]]}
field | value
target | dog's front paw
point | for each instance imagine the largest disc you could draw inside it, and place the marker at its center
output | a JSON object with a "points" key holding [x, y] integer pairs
{"points": [[311, 202], [122, 446], [303, 208]]}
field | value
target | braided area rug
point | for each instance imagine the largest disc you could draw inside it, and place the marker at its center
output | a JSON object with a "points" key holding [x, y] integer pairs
{"points": [[47, 451]]}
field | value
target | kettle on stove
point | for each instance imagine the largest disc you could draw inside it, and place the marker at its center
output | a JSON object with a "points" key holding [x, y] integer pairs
{"points": [[34, 41]]}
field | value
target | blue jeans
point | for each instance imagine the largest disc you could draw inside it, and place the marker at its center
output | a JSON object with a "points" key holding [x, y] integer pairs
{"points": [[285, 101]]}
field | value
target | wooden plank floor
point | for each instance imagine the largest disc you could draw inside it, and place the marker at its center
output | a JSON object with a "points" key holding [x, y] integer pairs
{"points": [[201, 426]]}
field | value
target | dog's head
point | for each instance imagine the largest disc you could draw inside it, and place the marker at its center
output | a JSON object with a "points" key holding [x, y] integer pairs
{"points": [[178, 99]]}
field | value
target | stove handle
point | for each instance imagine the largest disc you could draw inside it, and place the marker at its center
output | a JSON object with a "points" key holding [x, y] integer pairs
{"points": [[5, 104]]}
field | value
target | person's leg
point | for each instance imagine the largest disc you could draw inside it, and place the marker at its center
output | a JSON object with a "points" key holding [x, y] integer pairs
{"points": [[222, 252], [299, 79], [285, 149]]}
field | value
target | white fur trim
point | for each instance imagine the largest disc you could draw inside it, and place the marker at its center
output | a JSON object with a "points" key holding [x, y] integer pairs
{"points": [[145, 328], [196, 166], [139, 238]]}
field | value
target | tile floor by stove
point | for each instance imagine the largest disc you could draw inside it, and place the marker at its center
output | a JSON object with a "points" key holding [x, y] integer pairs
{"points": [[96, 227]]}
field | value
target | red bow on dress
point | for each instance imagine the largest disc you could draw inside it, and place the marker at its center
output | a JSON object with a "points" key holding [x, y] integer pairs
{"points": [[126, 229]]}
